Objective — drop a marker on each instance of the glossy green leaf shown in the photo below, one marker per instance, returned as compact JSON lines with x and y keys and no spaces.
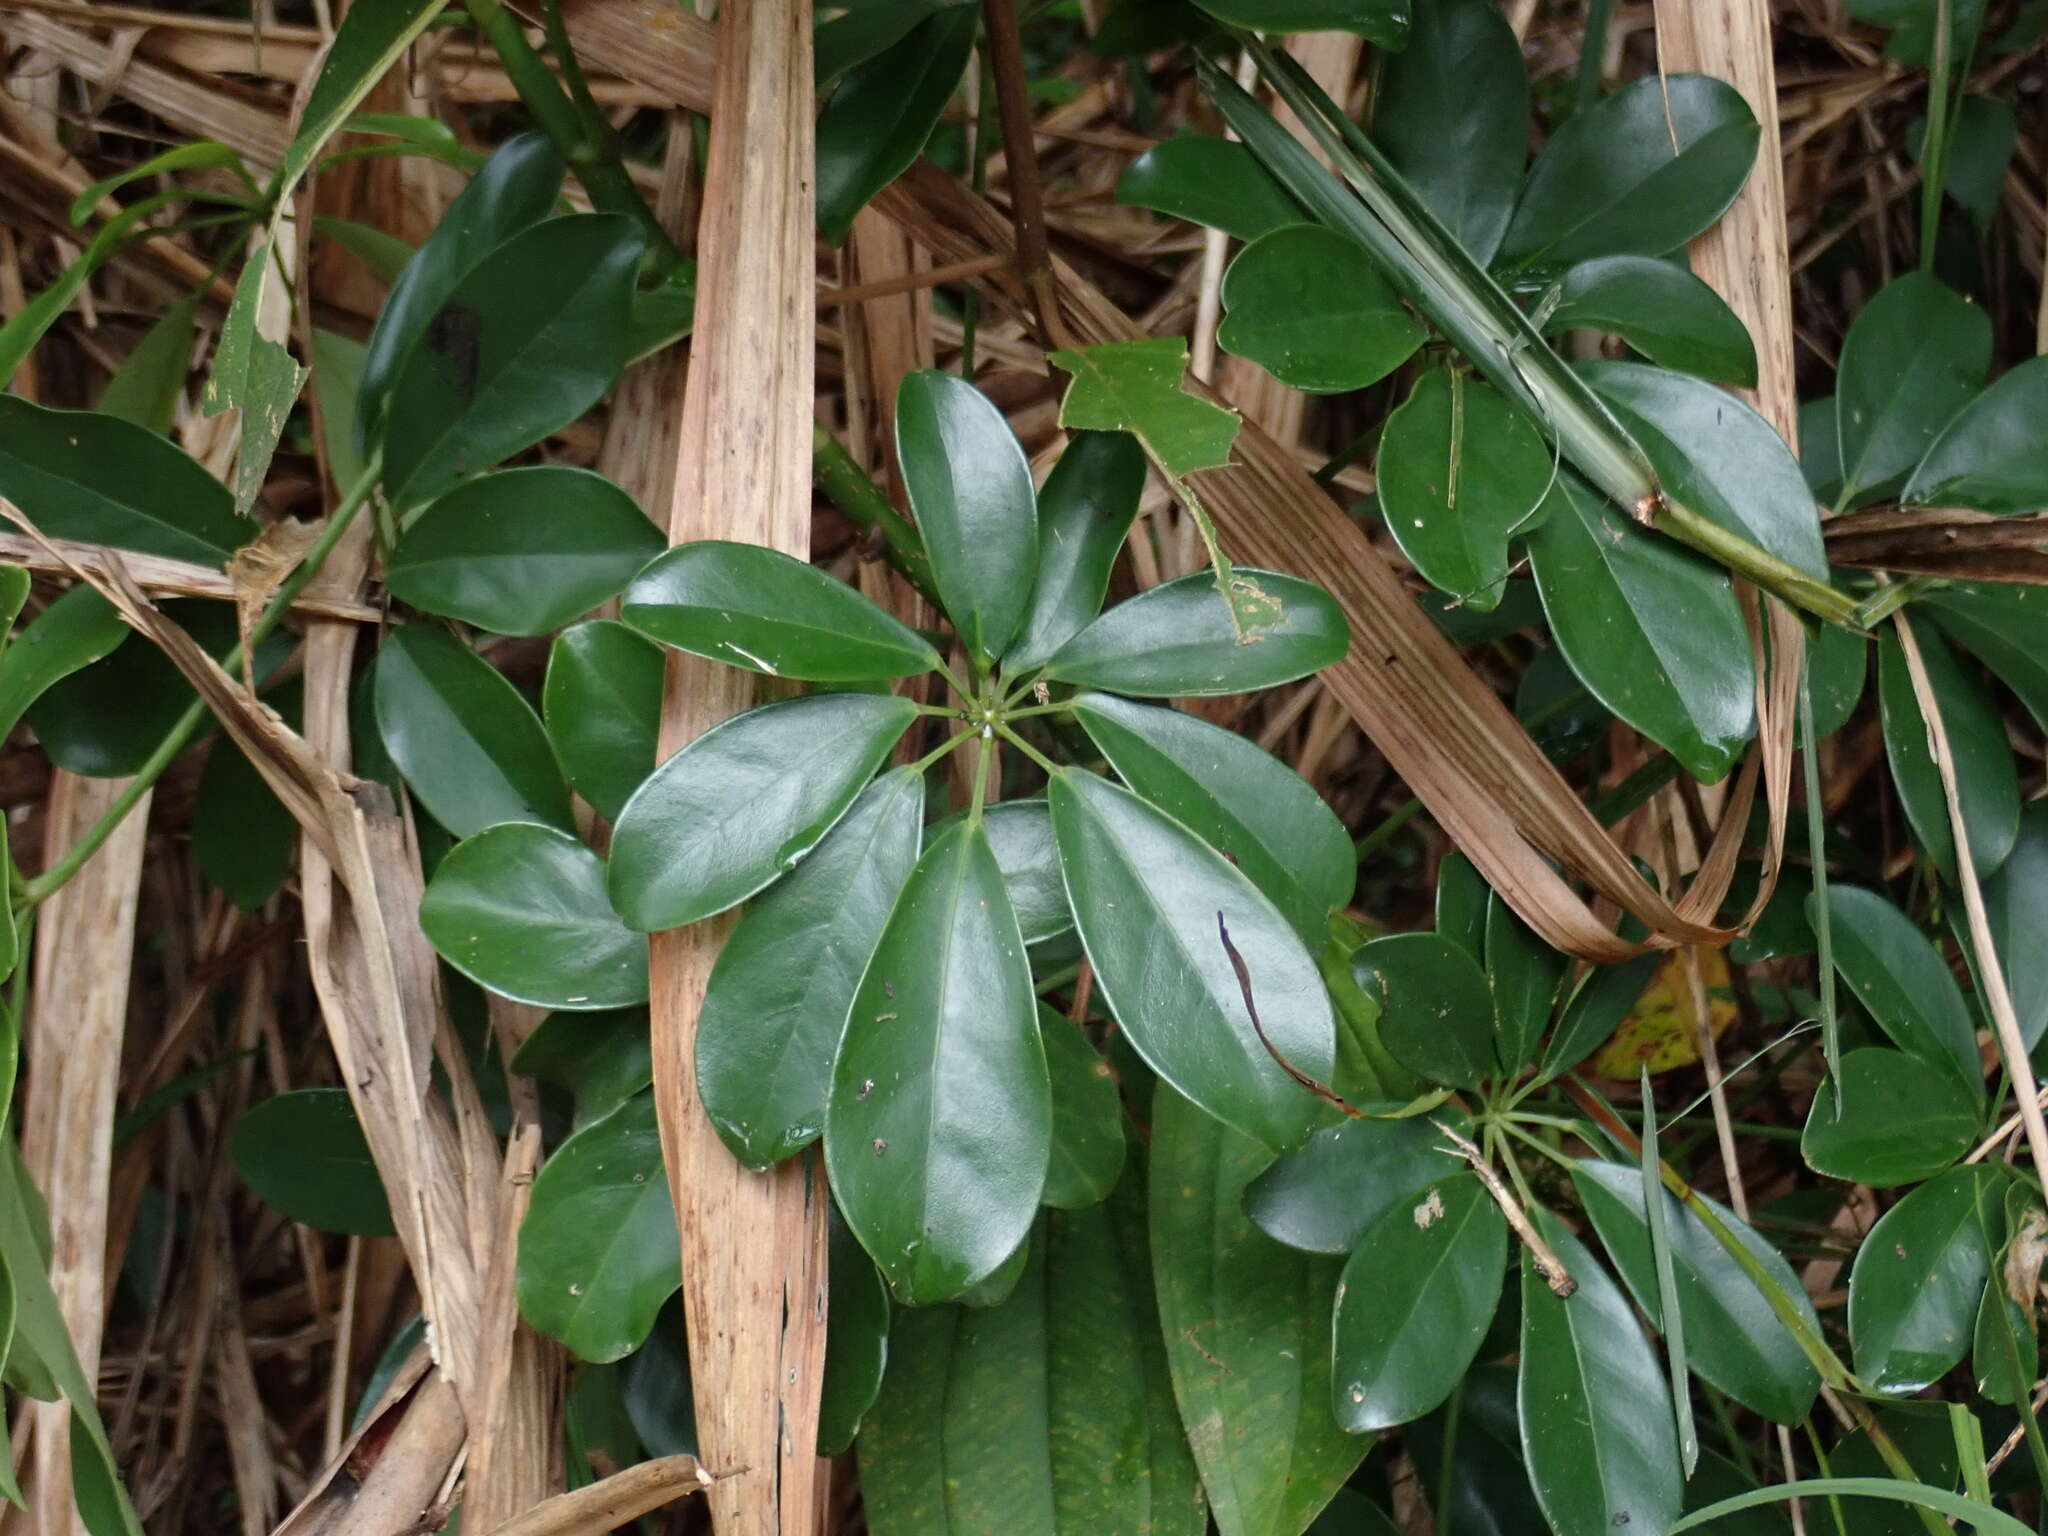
{"x":860,"y":32}
{"x":521,"y":909}
{"x":1087,"y":1116}
{"x":1987,"y":782}
{"x":1639,"y":172}
{"x":1149,"y":897}
{"x":1242,"y":801}
{"x":525,"y":343}
{"x":598,"y":1252}
{"x":601,"y":1059}
{"x":1837,"y":667}
{"x":856,"y":1340}
{"x":779,"y":993}
{"x":96,"y":478}
{"x":1209,"y":181}
{"x":1902,"y":980}
{"x":742,"y":804}
{"x":1899,"y":1121}
{"x":1918,"y":1277}
{"x":1000,"y":1283}
{"x":1981,"y":142}
{"x":1324,"y":1198}
{"x":602,"y":705}
{"x":1653,"y":631}
{"x":1135,"y":387}
{"x":1177,"y":639}
{"x":971,"y":490}
{"x":468,"y":743}
{"x":939,"y":1123}
{"x":105,"y":720}
{"x":1914,"y":355}
{"x":146,"y":387}
{"x":1085,"y":511}
{"x":1524,"y":975}
{"x":1461,"y":472}
{"x":523,"y":551}
{"x":1596,"y":1412}
{"x":337,"y":370}
{"x":73,"y":632}
{"x":878,"y":120}
{"x":244,"y":840}
{"x":1462,"y":899}
{"x":1309,"y":306}
{"x":1383,"y":21}
{"x":1476,"y":1476}
{"x":1247,"y":1326}
{"x":1414,"y":1304}
{"x":1989,"y":456}
{"x":1719,"y":457}
{"x":2005,"y":626}
{"x":1436,"y":1010}
{"x":2014,"y":900}
{"x":304,"y":1153}
{"x":1660,"y":309}
{"x":1020,"y":832}
{"x":1048,"y":1413}
{"x":765,"y":611}
{"x":1595,"y":1011}
{"x":515,"y":190}
{"x":655,"y":1388}
{"x":1733,"y":1338}
{"x":1452,"y":114}
{"x":2005,"y":1347}
{"x":42,"y":1335}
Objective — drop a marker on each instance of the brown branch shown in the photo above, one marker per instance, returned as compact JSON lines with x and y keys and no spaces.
{"x":1027,"y":205}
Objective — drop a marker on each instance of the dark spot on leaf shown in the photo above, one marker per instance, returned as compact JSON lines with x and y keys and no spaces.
{"x":456,"y":333}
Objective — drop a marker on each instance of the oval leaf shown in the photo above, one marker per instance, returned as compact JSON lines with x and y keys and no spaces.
{"x":1989,"y":457}
{"x":743,"y":803}
{"x":769,"y":612}
{"x":1452,"y":114}
{"x":1247,"y":1326}
{"x":1148,"y":897}
{"x":971,"y":490}
{"x":1597,"y":1422}
{"x":1309,"y":306}
{"x":468,"y":743}
{"x":1177,"y":639}
{"x":1914,"y":356}
{"x":940,"y":1120}
{"x":528,"y":341}
{"x":1654,"y":632}
{"x":1087,"y":1116}
{"x":1436,"y":1012}
{"x":521,"y":909}
{"x":1085,"y":511}
{"x":1641,"y":172}
{"x":1461,"y":471}
{"x":779,"y":993}
{"x":1987,"y":782}
{"x":524,"y":551}
{"x":1244,"y":802}
{"x":856,"y":1340}
{"x":598,"y":1252}
{"x":101,"y":480}
{"x":1898,"y":1123}
{"x":515,"y":189}
{"x":1325,"y":1197}
{"x":602,"y":705}
{"x":1902,"y":980}
{"x":1918,"y":1278}
{"x":1210,"y":181}
{"x":1733,"y":1338}
{"x":1660,"y":309}
{"x":1383,"y":21}
{"x":878,"y":120}
{"x":1415,"y":1303}
{"x":304,"y":1153}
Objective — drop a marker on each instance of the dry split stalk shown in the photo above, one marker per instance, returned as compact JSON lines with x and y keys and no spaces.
{"x":753,"y":1245}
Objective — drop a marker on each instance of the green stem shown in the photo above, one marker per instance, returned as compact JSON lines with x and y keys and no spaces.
{"x":1038,"y":709}
{"x":1026,"y":748}
{"x":52,"y":880}
{"x":847,"y":486}
{"x":978,"y":796}
{"x":943,"y":749}
{"x":1762,"y":568}
{"x":578,"y":128}
{"x":1934,"y":147}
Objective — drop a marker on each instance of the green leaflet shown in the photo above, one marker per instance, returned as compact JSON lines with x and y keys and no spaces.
{"x":1247,"y":1333}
